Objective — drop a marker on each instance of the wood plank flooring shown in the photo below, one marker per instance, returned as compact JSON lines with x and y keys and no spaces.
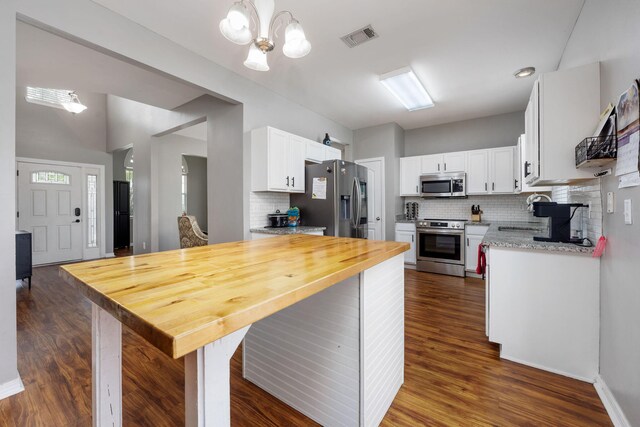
{"x":453,"y":376}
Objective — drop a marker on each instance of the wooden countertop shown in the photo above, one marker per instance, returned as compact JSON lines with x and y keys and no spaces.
{"x":183,"y":299}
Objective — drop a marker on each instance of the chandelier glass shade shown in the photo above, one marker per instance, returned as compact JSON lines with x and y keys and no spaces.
{"x":236,"y":27}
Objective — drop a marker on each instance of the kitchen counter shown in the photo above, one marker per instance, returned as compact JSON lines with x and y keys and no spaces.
{"x":479,"y":224}
{"x":405,"y":221}
{"x":281,"y":231}
{"x":523,"y":239}
{"x":323,"y":302}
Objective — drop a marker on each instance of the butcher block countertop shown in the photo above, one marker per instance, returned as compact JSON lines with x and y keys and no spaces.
{"x":184,"y":299}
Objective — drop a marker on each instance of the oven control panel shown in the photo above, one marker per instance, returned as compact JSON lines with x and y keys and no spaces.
{"x":427,"y":223}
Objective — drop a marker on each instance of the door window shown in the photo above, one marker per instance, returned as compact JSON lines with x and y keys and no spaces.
{"x":50,"y":177}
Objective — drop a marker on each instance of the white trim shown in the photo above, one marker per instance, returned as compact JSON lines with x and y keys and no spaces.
{"x":383,"y":216}
{"x":110,"y":255}
{"x":106,"y":368}
{"x":610,"y":403}
{"x":10,"y":388}
{"x":545,"y":368}
{"x":101,"y":200}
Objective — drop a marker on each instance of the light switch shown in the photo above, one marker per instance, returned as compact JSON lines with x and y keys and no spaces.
{"x":627,"y":212}
{"x":610,"y":201}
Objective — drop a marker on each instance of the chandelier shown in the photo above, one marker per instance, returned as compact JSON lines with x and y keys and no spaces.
{"x":236,"y":28}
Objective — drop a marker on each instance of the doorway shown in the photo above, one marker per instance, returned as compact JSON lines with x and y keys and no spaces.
{"x":375,"y":203}
{"x":60,"y":205}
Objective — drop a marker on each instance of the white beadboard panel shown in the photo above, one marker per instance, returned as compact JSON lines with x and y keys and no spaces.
{"x":382,"y":338}
{"x":263,"y":203}
{"x":308,"y":355}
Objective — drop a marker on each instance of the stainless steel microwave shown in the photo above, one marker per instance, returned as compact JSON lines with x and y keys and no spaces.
{"x":448,"y":184}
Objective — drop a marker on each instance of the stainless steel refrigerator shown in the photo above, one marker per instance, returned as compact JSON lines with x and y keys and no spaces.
{"x":335,"y":197}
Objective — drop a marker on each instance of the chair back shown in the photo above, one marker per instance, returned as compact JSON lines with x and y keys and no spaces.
{"x":190,"y":233}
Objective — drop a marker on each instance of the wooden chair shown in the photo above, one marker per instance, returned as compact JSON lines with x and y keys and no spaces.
{"x":190,"y":233}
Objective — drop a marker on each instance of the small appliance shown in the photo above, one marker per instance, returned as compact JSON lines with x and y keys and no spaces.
{"x":448,"y":184}
{"x":440,"y":247}
{"x":278,"y":219}
{"x":559,"y":215}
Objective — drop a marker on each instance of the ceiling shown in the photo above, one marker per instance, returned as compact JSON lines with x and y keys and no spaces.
{"x":465,"y":52}
{"x":46,"y":60}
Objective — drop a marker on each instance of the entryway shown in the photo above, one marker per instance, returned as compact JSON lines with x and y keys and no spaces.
{"x":60,"y":205}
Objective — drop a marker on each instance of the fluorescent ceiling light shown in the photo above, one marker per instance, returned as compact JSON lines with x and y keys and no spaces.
{"x":405,"y":86}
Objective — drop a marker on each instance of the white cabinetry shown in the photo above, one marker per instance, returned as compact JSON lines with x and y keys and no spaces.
{"x":406,"y":233}
{"x":522,"y":186}
{"x":478,"y":172}
{"x":474,"y":235}
{"x":318,"y":153}
{"x":277,"y":161}
{"x":502,"y":170}
{"x":563,"y":109}
{"x":432,"y":163}
{"x":455,"y":162}
{"x":410,"y":176}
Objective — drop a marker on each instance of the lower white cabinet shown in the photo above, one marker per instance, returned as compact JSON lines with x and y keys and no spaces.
{"x":474,"y":235}
{"x":406,"y":233}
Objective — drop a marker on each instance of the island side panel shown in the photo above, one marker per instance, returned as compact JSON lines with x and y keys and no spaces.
{"x":544,"y":309}
{"x":382,"y":338}
{"x":308,"y":355}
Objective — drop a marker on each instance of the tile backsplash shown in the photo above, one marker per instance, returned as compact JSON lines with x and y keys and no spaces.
{"x":494,"y":208}
{"x":585,"y":193}
{"x":263,"y":203}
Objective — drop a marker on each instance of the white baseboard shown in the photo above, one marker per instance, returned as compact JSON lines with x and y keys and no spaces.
{"x":545,"y":368}
{"x":10,"y":388}
{"x":610,"y":404}
{"x":110,"y":255}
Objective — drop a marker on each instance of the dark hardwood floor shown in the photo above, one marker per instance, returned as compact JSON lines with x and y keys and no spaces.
{"x":453,"y":376}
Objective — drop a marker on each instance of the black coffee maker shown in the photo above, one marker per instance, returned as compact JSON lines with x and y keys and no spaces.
{"x":559,"y":215}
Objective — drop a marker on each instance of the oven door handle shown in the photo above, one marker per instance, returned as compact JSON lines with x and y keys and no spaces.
{"x":447,"y":231}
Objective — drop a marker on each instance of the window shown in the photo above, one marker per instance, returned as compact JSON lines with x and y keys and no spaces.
{"x":48,"y":97}
{"x":128,"y":176}
{"x":184,"y":193}
{"x":92,"y":211}
{"x":50,"y":177}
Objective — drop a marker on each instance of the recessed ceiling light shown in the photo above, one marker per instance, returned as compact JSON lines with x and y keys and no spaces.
{"x":405,"y":86}
{"x":525,"y":72}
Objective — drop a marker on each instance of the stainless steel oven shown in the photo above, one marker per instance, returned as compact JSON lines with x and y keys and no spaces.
{"x":440,"y":246}
{"x":450,"y":184}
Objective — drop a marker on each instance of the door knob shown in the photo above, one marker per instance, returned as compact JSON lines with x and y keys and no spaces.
{"x":377,"y":218}
{"x":77,"y":220}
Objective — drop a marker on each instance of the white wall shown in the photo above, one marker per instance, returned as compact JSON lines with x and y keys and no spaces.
{"x":384,"y":141}
{"x":197,"y":189}
{"x":608,"y":32}
{"x":486,"y":132}
{"x":55,"y":134}
{"x":170,"y":149}
{"x":8,"y":343}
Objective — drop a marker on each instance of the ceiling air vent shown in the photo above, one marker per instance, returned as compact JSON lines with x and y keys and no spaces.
{"x":360,"y":36}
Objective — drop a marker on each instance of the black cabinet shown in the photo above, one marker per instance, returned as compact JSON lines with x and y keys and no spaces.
{"x":23,"y":256}
{"x":121,"y":214}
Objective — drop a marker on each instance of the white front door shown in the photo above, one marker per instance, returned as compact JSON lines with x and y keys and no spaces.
{"x":49,"y":207}
{"x":375,"y":197}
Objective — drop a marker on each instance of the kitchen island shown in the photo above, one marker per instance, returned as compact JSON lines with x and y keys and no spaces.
{"x":542,"y":300}
{"x":327,"y":314}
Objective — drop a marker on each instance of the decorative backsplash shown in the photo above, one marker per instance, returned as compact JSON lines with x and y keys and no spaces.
{"x":263,"y":203}
{"x":494,"y":208}
{"x":583,"y":193}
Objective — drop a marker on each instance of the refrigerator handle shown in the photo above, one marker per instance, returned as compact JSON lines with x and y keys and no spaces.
{"x":354,"y":199}
{"x":359,"y":191}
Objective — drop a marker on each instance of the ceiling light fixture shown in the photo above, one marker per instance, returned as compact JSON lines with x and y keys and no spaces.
{"x":236,"y":28}
{"x":74,"y":105}
{"x":406,"y":87}
{"x":524,"y":72}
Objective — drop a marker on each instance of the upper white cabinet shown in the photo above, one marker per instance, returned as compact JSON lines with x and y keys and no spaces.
{"x":454,"y":162}
{"x":518,"y":170}
{"x":563,"y":109}
{"x":478,"y":172}
{"x":410,"y":170}
{"x":318,"y":153}
{"x":502,"y":179}
{"x":277,"y":161}
{"x":431,"y":164}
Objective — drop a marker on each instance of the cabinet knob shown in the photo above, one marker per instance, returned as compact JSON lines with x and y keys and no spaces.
{"x":287,"y":181}
{"x":293,"y":182}
{"x":493,"y":186}
{"x":485,"y":186}
{"x":416,"y":189}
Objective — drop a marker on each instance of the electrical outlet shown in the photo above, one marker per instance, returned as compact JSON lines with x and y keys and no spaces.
{"x":144,"y":245}
{"x":628,"y":218}
{"x":611,"y":198}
